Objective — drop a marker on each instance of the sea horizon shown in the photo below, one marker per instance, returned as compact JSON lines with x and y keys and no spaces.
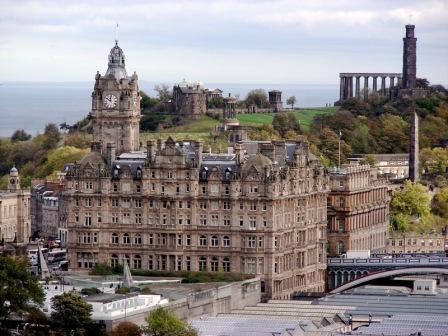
{"x":30,"y":105}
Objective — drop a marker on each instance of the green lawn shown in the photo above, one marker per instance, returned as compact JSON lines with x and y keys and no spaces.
{"x":201,"y":124}
{"x":304,"y":116}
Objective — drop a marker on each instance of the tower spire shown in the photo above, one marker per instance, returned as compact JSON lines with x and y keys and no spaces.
{"x":116,"y":34}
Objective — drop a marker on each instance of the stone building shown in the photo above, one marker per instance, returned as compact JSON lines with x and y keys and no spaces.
{"x":116,"y":106}
{"x":390,"y":166}
{"x":413,"y":242}
{"x":275,"y":100}
{"x":259,"y":209}
{"x":46,"y":215}
{"x":15,"y":223}
{"x":358,"y":210}
{"x":189,"y":99}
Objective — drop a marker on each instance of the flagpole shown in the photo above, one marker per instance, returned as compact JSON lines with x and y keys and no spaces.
{"x":339,"y":150}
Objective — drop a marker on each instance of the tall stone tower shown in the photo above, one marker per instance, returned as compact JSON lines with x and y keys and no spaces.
{"x":409,"y":58}
{"x":414,"y":175}
{"x":116,"y":106}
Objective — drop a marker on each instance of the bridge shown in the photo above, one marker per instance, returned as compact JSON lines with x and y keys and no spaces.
{"x":346,"y":273}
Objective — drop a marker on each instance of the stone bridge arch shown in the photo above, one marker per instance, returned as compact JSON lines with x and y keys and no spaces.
{"x":385,"y":274}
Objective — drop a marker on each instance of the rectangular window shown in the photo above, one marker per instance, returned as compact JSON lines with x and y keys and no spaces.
{"x":226,"y":190}
{"x":253,"y":206}
{"x":138,"y":188}
{"x":226,"y":221}
{"x":151,"y":204}
{"x":88,"y":202}
{"x":114,"y":218}
{"x":253,"y":222}
{"x":99,"y":203}
{"x":188,"y":187}
{"x":204,"y":189}
{"x":87,"y":219}
{"x":138,"y":203}
{"x":126,"y":218}
{"x":98,"y":218}
{"x":203,"y":220}
{"x":188,"y":240}
{"x":241,"y":221}
{"x":115,"y":202}
{"x":202,"y":205}
{"x":251,"y":241}
{"x":138,"y":218}
{"x":180,"y":220}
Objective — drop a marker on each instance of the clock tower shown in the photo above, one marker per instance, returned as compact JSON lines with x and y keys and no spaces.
{"x":14,"y":180}
{"x":116,"y":106}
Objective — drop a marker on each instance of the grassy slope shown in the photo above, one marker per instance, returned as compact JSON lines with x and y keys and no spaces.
{"x":304,"y":116}
{"x":200,"y":129}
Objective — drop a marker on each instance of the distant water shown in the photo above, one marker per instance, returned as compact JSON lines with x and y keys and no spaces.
{"x":32,"y":105}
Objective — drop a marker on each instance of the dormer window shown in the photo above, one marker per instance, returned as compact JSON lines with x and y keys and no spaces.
{"x":139,"y":173}
{"x":116,"y":172}
{"x":204,"y":173}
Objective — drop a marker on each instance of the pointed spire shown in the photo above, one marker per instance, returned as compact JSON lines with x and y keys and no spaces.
{"x":128,"y":281}
{"x":43,"y":267}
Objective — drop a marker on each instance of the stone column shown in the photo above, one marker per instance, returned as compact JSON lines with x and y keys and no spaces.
{"x":366,"y":87}
{"x":383,"y":85}
{"x":346,"y":91}
{"x":391,"y":82}
{"x":375,"y":84}
{"x":350,"y":80}
{"x":358,"y":91}
{"x":341,"y":88}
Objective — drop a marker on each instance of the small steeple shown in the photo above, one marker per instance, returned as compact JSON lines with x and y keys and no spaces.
{"x":116,"y":65}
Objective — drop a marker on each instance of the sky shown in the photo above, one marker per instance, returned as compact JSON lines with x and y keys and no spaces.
{"x":220,"y":41}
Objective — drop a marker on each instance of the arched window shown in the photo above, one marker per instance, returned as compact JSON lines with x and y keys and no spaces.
{"x":214,"y":241}
{"x":203,"y":241}
{"x":114,"y":239}
{"x":126,"y":239}
{"x":113,"y":260}
{"x":226,"y":264}
{"x":138,"y":174}
{"x":202,"y":264}
{"x":226,"y":241}
{"x":137,"y":239}
{"x":137,"y":262}
{"x":340,"y":247}
{"x":214,"y":264}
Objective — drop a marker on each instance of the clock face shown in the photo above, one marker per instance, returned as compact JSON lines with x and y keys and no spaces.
{"x":110,"y":101}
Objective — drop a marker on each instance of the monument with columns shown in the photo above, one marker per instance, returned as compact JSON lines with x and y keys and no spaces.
{"x":391,"y":84}
{"x":388,"y":82}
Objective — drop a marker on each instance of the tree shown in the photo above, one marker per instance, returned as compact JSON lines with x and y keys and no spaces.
{"x":440,"y":203}
{"x":20,"y":135}
{"x":17,"y":287}
{"x":163,"y":92}
{"x":126,"y":328}
{"x":284,"y":122}
{"x":71,"y":313}
{"x":163,"y":322}
{"x":412,"y":200}
{"x":257,"y":97}
{"x":291,"y":101}
{"x":51,"y":136}
{"x":370,"y":160}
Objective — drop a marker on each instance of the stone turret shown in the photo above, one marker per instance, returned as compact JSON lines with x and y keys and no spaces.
{"x":14,"y":180}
